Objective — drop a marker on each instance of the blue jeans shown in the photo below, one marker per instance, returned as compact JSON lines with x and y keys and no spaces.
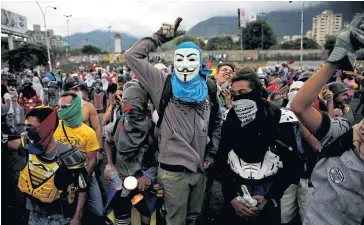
{"x":94,"y":197}
{"x":40,"y":219}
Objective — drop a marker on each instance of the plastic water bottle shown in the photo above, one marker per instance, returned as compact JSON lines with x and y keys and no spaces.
{"x":116,"y":181}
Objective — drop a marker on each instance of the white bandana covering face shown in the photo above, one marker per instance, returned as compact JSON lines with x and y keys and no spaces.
{"x":246,"y":110}
{"x":186,"y":63}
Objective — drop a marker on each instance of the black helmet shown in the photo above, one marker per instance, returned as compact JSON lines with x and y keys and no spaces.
{"x":70,"y":83}
{"x":305,"y":76}
{"x":53,"y":84}
{"x":27,"y":81}
{"x":337,"y":87}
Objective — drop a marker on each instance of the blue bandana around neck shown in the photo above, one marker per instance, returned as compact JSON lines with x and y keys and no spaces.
{"x":196,"y":89}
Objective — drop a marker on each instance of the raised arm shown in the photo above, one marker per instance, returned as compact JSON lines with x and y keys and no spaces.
{"x":150,"y":78}
{"x":343,"y":56}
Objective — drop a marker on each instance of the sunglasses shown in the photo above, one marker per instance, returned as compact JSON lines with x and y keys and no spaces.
{"x":63,"y":106}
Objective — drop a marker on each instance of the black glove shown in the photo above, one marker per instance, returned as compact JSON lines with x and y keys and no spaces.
{"x":348,"y":41}
{"x":168,"y":32}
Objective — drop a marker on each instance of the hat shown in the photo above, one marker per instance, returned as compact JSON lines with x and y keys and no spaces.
{"x":70,"y":83}
{"x":337,"y":87}
{"x":297,"y":84}
{"x":53,"y":84}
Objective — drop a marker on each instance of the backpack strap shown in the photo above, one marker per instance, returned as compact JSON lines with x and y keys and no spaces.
{"x":166,"y":96}
{"x":215,"y":106}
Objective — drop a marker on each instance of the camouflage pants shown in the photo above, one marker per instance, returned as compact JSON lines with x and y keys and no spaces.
{"x":40,"y":219}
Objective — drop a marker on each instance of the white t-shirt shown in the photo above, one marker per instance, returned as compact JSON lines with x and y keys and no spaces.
{"x":7,"y":96}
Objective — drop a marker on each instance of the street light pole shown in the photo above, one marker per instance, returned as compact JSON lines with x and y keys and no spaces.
{"x":263,"y":19}
{"x":301,"y":55}
{"x":109,"y":39}
{"x":68,"y":31}
{"x":301,"y":51}
{"x":46,"y":35}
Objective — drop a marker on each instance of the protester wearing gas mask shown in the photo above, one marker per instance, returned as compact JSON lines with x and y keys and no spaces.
{"x":134,"y":157}
{"x":28,"y":97}
{"x":184,"y":102}
{"x":99,"y":96}
{"x":257,"y":157}
{"x":56,"y":195}
{"x":73,"y":132}
{"x":53,"y":95}
{"x":89,"y":113}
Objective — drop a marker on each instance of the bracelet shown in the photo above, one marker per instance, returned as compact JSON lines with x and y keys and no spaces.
{"x":307,"y":136}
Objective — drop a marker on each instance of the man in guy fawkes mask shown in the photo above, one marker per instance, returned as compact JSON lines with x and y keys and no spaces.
{"x":256,"y":155}
{"x":53,"y":94}
{"x":99,"y":96}
{"x":184,"y":102}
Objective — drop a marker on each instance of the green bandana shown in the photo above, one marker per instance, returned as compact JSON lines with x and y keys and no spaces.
{"x":72,"y":115}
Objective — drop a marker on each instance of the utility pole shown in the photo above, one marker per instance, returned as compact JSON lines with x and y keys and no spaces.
{"x":262,"y":14}
{"x":109,"y":39}
{"x":68,"y":31}
{"x":45,"y":31}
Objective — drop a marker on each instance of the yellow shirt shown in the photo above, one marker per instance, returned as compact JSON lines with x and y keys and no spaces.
{"x":82,"y":137}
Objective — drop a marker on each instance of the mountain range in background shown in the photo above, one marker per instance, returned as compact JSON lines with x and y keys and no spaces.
{"x":100,"y":39}
{"x":282,"y":22}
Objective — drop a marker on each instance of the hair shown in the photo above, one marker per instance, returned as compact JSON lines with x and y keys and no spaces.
{"x":73,"y":95}
{"x":251,"y":76}
{"x":41,"y":113}
{"x":4,"y":90}
{"x":225,"y":64}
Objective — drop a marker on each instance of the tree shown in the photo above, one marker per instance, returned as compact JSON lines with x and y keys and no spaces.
{"x":296,"y":44}
{"x":330,"y":43}
{"x":186,"y":38}
{"x":252,"y":35}
{"x":76,"y":51}
{"x":26,"y":56}
{"x":220,"y":43}
{"x":90,"y":50}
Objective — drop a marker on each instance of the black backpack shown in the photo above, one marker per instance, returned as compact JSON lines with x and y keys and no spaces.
{"x":167,"y":94}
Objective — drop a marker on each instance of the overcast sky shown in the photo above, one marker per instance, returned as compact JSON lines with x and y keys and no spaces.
{"x":137,"y":18}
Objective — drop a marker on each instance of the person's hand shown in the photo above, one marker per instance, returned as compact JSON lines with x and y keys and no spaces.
{"x":168,"y":32}
{"x":259,"y":198}
{"x":328,"y":95}
{"x":206,"y":164}
{"x":227,"y":95}
{"x":280,"y":91}
{"x":144,"y":183}
{"x":107,"y":175}
{"x":158,"y":190}
{"x":99,"y":156}
{"x":349,"y":40}
{"x":242,"y":210}
{"x":76,"y":220}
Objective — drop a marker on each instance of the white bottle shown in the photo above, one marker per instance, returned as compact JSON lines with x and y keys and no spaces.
{"x":116,"y":181}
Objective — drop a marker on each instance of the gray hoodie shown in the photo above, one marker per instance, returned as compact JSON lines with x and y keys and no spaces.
{"x":183,"y":135}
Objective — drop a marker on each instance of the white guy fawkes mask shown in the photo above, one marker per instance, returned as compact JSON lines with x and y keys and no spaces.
{"x":186,"y":63}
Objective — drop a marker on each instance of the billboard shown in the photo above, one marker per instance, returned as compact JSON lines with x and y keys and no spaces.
{"x":13,"y":23}
{"x":245,"y":17}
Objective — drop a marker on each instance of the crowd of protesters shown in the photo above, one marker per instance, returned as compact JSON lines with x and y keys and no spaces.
{"x":283,"y":143}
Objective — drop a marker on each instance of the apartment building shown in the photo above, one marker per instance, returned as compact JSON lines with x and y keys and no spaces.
{"x":38,"y":36}
{"x":325,"y":24}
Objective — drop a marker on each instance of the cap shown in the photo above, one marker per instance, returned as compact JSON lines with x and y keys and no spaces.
{"x":70,"y":83}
